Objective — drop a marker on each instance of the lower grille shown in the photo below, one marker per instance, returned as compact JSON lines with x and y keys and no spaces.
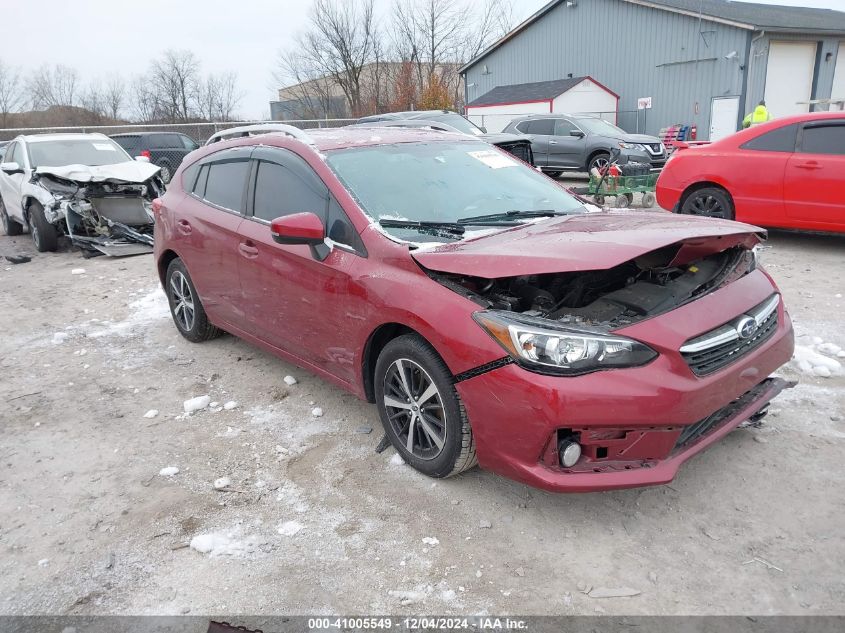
{"x":703,"y":427}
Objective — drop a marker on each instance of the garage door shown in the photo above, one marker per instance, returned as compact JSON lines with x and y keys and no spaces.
{"x":839,"y":76}
{"x":789,"y":77}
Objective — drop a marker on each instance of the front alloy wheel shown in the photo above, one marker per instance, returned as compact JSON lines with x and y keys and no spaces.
{"x":415,"y":409}
{"x":420,"y":410}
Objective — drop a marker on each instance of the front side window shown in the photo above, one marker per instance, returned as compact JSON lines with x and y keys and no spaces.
{"x":444,"y":182}
{"x":226,"y":183}
{"x":600,"y":127}
{"x":76,"y":151}
{"x":14,"y":155}
{"x":188,"y":143}
{"x":563,"y":127}
{"x":287,"y":189}
{"x":824,"y":139}
{"x":779,"y":140}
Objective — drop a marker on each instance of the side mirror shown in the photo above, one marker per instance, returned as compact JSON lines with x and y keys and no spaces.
{"x":142,"y":159}
{"x":299,"y":228}
{"x":576,"y":133}
{"x":11,"y":168}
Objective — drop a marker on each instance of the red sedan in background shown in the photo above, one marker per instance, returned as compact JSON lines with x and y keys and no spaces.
{"x":787,"y":173}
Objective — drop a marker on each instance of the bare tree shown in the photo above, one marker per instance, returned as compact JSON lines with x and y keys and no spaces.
{"x":114,"y":96}
{"x":142,"y":100}
{"x":53,"y":86}
{"x":93,"y":100}
{"x":338,"y":42}
{"x":11,"y":96}
{"x":173,"y":81}
{"x":229,"y":96}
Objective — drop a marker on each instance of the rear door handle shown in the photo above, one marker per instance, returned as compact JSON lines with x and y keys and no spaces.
{"x":810,"y":164}
{"x":248,"y":249}
{"x":184,"y":227}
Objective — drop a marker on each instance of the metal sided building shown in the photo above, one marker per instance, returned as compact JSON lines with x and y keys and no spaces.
{"x":702,"y":62}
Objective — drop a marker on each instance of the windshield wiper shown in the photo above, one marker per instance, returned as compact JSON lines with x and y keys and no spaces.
{"x":448,"y":227}
{"x":508,"y":216}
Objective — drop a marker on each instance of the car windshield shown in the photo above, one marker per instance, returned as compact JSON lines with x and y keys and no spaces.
{"x":444,"y":182}
{"x":91,"y":152}
{"x":600,"y":126}
{"x":458,"y":122}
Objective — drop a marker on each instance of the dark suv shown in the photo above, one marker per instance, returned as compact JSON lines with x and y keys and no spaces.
{"x":165,"y":149}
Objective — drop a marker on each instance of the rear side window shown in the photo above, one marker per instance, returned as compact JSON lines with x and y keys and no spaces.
{"x":543,"y":127}
{"x":126,"y":142}
{"x":287,"y":189}
{"x":226,"y":182}
{"x":824,"y":139}
{"x":779,"y":140}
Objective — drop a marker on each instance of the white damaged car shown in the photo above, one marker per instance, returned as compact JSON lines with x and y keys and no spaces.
{"x":84,"y":186}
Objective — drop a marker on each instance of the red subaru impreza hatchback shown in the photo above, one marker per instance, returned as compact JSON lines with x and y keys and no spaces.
{"x":489,"y":315}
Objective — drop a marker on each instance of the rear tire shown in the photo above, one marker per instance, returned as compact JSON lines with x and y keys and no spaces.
{"x":711,"y":202}
{"x":10,"y":226}
{"x":185,"y":306}
{"x":44,"y":235}
{"x":430,"y":432}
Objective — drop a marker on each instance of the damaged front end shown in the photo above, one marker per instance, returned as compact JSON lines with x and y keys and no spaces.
{"x":563,"y":323}
{"x":103,"y":210}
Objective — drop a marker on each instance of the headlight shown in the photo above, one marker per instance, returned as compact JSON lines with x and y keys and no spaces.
{"x":569,"y":352}
{"x":631,"y":146}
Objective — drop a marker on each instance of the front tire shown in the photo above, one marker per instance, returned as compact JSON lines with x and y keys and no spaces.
{"x":599,"y":161}
{"x":10,"y":226}
{"x":420,"y":409}
{"x":44,"y":235}
{"x":185,"y":306}
{"x":711,"y":202}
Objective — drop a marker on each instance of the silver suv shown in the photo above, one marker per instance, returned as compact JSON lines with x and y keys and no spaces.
{"x":565,"y":142}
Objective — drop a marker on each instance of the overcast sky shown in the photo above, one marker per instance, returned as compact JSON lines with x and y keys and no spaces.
{"x":102,"y":36}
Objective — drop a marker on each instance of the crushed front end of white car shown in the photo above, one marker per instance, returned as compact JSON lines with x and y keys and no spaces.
{"x":105,"y":209}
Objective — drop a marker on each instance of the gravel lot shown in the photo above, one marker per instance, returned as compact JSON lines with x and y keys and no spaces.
{"x":314,"y":521}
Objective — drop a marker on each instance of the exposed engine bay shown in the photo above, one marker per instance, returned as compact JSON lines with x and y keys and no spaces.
{"x":607,"y":299}
{"x":102,"y":212}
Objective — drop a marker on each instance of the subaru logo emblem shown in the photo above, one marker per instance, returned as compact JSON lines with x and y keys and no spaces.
{"x":746,"y":327}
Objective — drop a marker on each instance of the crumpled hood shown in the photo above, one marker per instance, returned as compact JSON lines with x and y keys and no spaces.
{"x":133,"y":171}
{"x":592,"y":241}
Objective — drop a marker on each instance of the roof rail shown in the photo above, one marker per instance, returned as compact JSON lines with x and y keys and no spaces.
{"x":423,"y":124}
{"x":260,"y":128}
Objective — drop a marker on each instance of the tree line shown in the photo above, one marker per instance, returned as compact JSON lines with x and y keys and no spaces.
{"x":172,"y":90}
{"x":407,"y":59}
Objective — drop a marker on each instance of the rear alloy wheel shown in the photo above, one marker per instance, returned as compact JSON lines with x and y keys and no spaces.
{"x":10,"y":227}
{"x":711,"y":202}
{"x":44,"y":235}
{"x":185,"y":306}
{"x":420,"y":410}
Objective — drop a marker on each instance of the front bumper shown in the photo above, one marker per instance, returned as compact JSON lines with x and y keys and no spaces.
{"x":637,"y":156}
{"x":629,"y":421}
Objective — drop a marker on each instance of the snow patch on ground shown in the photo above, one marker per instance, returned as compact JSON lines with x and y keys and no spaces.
{"x":289,"y":528}
{"x":168,"y":471}
{"x":226,"y":543}
{"x":396,"y":460}
{"x":150,"y":308}
{"x":816,"y":359}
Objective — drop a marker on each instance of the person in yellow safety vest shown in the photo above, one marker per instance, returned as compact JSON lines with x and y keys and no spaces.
{"x":760,"y":115}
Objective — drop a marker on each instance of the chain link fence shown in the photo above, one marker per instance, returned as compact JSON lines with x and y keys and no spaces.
{"x":199,"y":132}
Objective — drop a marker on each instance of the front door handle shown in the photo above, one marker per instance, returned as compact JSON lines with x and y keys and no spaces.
{"x":552,"y":142}
{"x":248,"y":249}
{"x":184,"y":227}
{"x":810,"y":164}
